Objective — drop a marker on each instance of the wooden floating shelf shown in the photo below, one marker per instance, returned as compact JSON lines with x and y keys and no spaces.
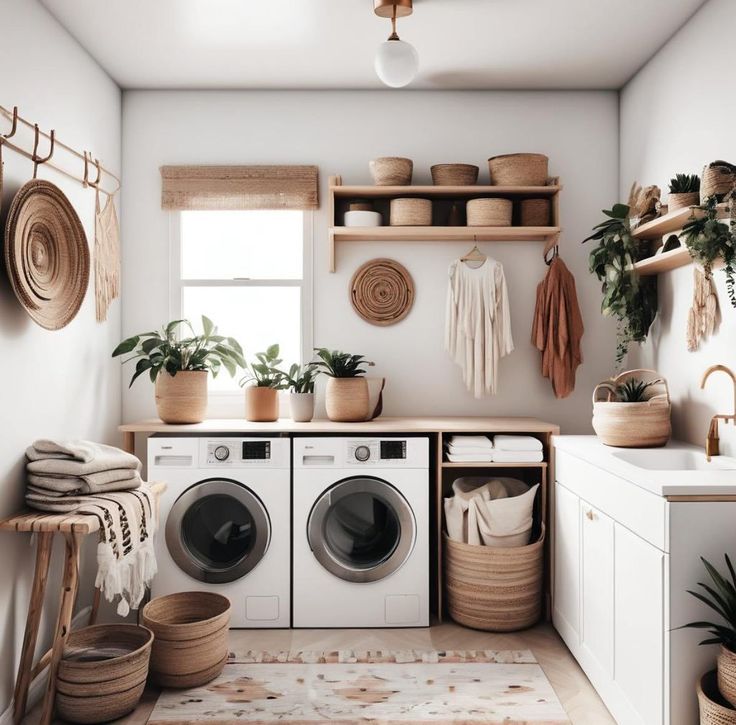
{"x":481,"y":464}
{"x":391,"y":192}
{"x":444,"y":234}
{"x":664,"y":262}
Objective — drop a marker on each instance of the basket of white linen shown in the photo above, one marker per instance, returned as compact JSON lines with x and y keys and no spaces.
{"x":493,"y":569}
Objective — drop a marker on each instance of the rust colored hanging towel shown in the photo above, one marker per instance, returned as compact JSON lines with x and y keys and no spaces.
{"x":107,"y":257}
{"x":558,"y":328}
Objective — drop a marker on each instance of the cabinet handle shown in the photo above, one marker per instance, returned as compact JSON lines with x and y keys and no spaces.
{"x":590,"y":515}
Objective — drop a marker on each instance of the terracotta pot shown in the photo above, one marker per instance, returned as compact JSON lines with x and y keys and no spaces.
{"x":182,"y":398}
{"x":261,"y":404}
{"x":302,"y":407}
{"x":727,"y":674}
{"x":347,"y":399}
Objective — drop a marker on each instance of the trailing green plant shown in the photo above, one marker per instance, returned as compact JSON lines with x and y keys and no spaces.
{"x":264,"y":372}
{"x":709,"y":239}
{"x":684,"y":184}
{"x":634,"y":390}
{"x":720,"y":596}
{"x":630,"y":300}
{"x":164,"y":350}
{"x":338,"y":364}
{"x":300,"y":379}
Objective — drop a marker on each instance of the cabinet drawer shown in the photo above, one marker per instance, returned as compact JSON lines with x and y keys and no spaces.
{"x":633,"y":507}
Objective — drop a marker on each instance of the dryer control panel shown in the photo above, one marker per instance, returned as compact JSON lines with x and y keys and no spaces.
{"x":369,"y":452}
{"x":243,"y":452}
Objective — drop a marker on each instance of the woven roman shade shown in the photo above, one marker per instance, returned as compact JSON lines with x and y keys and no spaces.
{"x":206,"y":188}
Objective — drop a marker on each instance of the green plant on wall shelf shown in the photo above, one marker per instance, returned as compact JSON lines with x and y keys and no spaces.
{"x":338,"y":364}
{"x":265,"y":373}
{"x":627,"y":298}
{"x":685,"y":184}
{"x":163,"y":350}
{"x":708,"y":239}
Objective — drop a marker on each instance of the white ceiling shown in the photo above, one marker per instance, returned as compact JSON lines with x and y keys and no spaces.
{"x":331,"y":43}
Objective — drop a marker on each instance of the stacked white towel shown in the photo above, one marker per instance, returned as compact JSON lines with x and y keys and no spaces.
{"x":517,"y":449}
{"x":470,"y":449}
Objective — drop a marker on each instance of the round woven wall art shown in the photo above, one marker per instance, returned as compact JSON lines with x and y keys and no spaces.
{"x":382,"y":292}
{"x":46,"y":254}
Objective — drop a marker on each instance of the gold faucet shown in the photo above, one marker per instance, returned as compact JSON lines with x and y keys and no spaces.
{"x":712,"y":447}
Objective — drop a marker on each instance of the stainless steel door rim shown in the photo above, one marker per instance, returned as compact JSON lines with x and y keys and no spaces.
{"x":398,"y":512}
{"x":244,"y":501}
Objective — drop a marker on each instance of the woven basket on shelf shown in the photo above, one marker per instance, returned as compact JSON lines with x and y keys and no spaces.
{"x":683,"y":199}
{"x":391,"y":171}
{"x":489,"y":212}
{"x":103,"y":672}
{"x":191,"y":644}
{"x":519,"y":170}
{"x":632,"y":425}
{"x":714,"y":710}
{"x":454,"y":174}
{"x":534,"y":212}
{"x":718,"y":178}
{"x":494,"y":589}
{"x":727,"y":674}
{"x":411,"y":213}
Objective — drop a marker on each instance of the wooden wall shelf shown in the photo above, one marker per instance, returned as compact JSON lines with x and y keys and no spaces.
{"x":340,"y":195}
{"x":664,"y":262}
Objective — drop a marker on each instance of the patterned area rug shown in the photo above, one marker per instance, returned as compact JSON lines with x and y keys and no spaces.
{"x":385,"y":688}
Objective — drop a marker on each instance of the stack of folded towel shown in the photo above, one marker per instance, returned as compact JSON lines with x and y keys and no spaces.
{"x":517,"y":449}
{"x":467,"y":448}
{"x":91,"y":478}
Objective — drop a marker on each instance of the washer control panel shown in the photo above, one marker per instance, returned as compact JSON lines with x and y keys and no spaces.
{"x":242,"y":452}
{"x":350,"y":453}
{"x":376,"y":451}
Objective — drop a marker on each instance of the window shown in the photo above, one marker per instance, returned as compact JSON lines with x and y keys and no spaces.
{"x":248,"y":271}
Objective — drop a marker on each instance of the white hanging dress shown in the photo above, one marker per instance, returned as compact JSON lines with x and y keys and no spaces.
{"x":478,"y":323}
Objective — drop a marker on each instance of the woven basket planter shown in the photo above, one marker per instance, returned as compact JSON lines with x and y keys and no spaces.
{"x":727,"y":674}
{"x":680,"y":201}
{"x":494,"y":589}
{"x":489,"y":212}
{"x":391,"y":171}
{"x":191,"y":644}
{"x":717,"y":179}
{"x":454,"y":174}
{"x":411,"y":212}
{"x":714,"y":710}
{"x":534,"y":212}
{"x":182,"y":398}
{"x":519,"y":170}
{"x":632,"y":425}
{"x":347,"y":399}
{"x":103,"y":672}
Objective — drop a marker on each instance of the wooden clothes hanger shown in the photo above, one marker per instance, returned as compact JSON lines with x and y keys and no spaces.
{"x":474,"y":255}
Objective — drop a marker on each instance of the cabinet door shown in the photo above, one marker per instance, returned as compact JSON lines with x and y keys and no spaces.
{"x":597,"y":587}
{"x":639,"y":624}
{"x":567,"y":565}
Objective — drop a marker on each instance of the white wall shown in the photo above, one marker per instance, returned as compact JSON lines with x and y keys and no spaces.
{"x":676,"y":116}
{"x":55,"y":383}
{"x":341,"y":131}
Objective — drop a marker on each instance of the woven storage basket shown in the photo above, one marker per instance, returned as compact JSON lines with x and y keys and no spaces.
{"x":727,"y":674}
{"x":680,"y":201}
{"x":103,"y":672}
{"x":519,"y":169}
{"x":454,"y":174}
{"x":718,"y":179}
{"x":494,"y":589}
{"x":714,"y":710}
{"x":391,"y":171}
{"x":181,"y":398}
{"x":489,"y":212}
{"x":191,"y":644}
{"x":632,"y":425}
{"x":534,"y":212}
{"x":411,"y":212}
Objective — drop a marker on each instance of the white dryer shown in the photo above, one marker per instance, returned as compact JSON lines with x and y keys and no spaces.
{"x":225,"y":523}
{"x":361,"y":532}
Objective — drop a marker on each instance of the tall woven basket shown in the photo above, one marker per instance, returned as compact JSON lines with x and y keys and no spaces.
{"x":714,"y":710}
{"x":632,"y":425}
{"x":494,"y":589}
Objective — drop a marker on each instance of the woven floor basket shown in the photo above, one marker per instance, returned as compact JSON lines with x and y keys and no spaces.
{"x":191,"y":644}
{"x":494,"y":589}
{"x":714,"y":710}
{"x":103,"y":672}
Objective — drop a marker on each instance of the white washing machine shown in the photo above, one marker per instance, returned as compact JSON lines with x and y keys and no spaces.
{"x":225,"y":523}
{"x":361,"y":532}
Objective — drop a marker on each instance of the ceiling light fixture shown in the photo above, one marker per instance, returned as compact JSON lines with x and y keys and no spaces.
{"x":397,"y":61}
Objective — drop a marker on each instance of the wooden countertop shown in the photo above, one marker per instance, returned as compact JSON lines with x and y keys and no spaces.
{"x":379,"y":425}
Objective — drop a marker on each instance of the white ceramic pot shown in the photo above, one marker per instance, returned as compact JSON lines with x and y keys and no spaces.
{"x":363,"y":219}
{"x":302,"y":407}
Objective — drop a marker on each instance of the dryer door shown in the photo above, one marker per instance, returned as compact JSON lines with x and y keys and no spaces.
{"x":217,"y":531}
{"x":361,"y":529}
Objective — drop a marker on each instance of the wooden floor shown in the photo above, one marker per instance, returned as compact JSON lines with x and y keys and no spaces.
{"x":576,"y":694}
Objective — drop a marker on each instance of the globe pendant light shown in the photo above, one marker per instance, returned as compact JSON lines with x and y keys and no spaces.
{"x":397,"y":61}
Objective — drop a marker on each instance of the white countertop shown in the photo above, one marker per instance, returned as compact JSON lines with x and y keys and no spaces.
{"x":715,"y":479}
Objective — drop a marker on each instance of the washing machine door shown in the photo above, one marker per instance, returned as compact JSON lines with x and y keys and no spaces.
{"x":361,"y":529}
{"x":217,"y":531}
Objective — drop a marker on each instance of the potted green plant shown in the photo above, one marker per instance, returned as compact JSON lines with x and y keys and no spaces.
{"x":720,"y":596}
{"x":346,"y":395}
{"x":684,"y":191}
{"x":262,"y":381}
{"x":300,"y":383}
{"x":179,"y":366}
{"x":632,"y":301}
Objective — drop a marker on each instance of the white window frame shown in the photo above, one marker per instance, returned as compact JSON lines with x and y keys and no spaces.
{"x":177,"y":285}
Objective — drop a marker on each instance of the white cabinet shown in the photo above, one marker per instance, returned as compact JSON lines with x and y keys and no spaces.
{"x":566,"y":595}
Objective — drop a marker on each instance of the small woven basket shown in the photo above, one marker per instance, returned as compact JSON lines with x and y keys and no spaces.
{"x":519,"y":169}
{"x":535,"y":212}
{"x":411,"y":212}
{"x":454,"y":174}
{"x":681,"y":200}
{"x":727,"y":674}
{"x":391,"y":171}
{"x":718,"y":179}
{"x":714,"y":710}
{"x":489,"y":212}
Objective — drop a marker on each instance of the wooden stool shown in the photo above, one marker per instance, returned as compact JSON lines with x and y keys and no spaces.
{"x":74,"y":527}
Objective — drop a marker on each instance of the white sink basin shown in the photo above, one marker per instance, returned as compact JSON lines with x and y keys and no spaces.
{"x":667,"y":459}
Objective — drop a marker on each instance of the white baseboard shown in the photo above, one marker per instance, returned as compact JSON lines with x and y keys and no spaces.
{"x":38,"y":686}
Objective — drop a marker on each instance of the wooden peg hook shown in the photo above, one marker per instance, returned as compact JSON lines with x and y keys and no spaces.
{"x":14,"y":127}
{"x":37,"y":160}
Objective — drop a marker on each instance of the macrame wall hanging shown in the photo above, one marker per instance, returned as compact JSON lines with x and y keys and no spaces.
{"x":107,"y":256}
